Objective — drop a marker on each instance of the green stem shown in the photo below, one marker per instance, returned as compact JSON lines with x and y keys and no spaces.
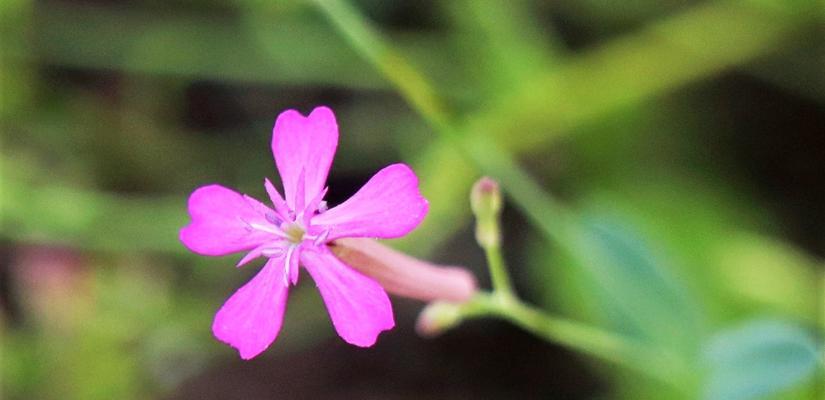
{"x":504,"y":303}
{"x":498,"y":271}
{"x":365,"y":39}
{"x":577,"y":336}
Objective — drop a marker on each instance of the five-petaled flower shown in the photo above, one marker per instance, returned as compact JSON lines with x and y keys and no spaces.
{"x":296,"y":230}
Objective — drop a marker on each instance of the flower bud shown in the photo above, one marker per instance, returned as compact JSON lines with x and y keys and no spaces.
{"x":404,"y":275}
{"x":436,"y":318}
{"x":485,"y":200}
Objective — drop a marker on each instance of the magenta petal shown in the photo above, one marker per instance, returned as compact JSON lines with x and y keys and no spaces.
{"x":358,"y":306}
{"x":250,"y":320}
{"x":220,"y":218}
{"x":388,"y":206}
{"x":304,"y":143}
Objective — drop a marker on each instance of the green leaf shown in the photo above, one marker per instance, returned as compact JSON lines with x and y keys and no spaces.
{"x":759,"y":358}
{"x":634,"y":285}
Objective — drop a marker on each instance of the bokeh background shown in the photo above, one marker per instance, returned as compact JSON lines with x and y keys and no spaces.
{"x":685,"y":140}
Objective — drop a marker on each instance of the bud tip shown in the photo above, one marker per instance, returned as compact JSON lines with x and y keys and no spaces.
{"x":436,"y":318}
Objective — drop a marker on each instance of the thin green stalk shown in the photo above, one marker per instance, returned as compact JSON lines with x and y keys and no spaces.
{"x":498,"y":272}
{"x":583,"y":338}
{"x":504,"y":303}
{"x":365,"y":39}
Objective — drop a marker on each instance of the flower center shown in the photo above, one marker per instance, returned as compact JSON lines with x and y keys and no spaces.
{"x":295,"y":233}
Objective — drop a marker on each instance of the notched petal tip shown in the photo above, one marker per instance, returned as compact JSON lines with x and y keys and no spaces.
{"x":358,"y":306}
{"x":389,"y":205}
{"x":368,"y":340}
{"x":289,"y":115}
{"x":218,"y":226}
{"x":304,"y":143}
{"x":251,"y":318}
{"x":191,"y":238}
{"x":322,"y":114}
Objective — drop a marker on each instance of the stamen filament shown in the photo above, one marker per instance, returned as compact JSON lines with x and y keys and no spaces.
{"x":288,"y":261}
{"x":268,"y":229}
{"x":320,"y":239}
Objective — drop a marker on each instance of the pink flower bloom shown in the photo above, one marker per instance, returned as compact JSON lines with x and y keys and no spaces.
{"x":296,"y":230}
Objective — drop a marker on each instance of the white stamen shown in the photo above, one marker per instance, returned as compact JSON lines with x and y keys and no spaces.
{"x":288,"y":262}
{"x":268,"y":228}
{"x":273,"y":252}
{"x":322,"y":237}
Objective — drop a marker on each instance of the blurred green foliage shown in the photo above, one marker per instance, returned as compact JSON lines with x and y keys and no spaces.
{"x":654,"y":239}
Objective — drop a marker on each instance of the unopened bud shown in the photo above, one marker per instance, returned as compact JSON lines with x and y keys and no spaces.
{"x":403,"y":275}
{"x":485,"y":200}
{"x":485,"y":197}
{"x":437,"y":317}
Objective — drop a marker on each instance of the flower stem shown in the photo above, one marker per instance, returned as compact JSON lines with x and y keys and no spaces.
{"x":577,"y":336}
{"x":498,"y":272}
{"x":503,"y":303}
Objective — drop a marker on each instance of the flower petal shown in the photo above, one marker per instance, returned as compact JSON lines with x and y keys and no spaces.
{"x":304,"y":143}
{"x":220,"y":219}
{"x":250,"y":320}
{"x":389,"y":205}
{"x":358,"y":306}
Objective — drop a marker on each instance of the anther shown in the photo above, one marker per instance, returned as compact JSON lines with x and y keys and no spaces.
{"x":272,"y":218}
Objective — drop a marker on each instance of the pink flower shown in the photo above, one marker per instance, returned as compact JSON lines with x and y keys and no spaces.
{"x":296,"y":231}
